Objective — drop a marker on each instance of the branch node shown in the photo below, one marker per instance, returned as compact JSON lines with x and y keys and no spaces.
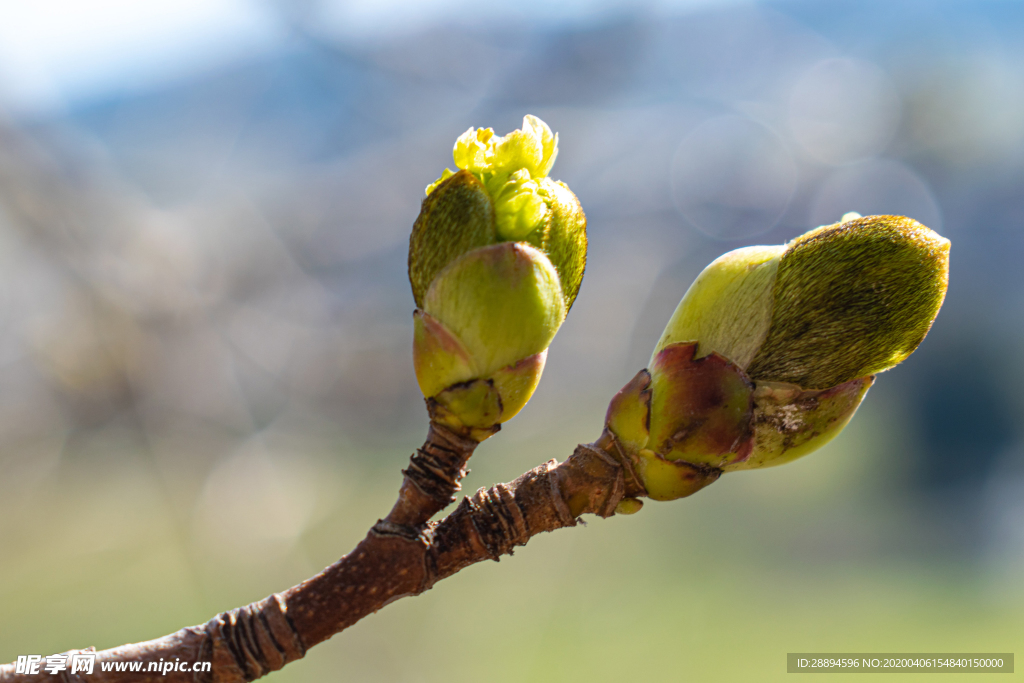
{"x":606,"y":479}
{"x":254,"y":640}
{"x":433,"y":476}
{"x":634,"y":486}
{"x":562,"y":510}
{"x":438,"y":466}
{"x":498,"y":520}
{"x":421,"y":534}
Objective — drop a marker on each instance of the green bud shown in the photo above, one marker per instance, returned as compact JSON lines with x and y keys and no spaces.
{"x":772,"y":349}
{"x":837,"y":303}
{"x":496,"y":258}
{"x":629,"y":506}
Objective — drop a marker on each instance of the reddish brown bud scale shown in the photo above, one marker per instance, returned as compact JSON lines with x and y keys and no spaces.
{"x":701,"y":408}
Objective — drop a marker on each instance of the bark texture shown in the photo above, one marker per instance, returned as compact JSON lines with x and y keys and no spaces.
{"x":403,"y":554}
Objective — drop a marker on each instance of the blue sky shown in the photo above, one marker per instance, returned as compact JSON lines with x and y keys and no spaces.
{"x":53,"y":52}
{"x":56,"y":52}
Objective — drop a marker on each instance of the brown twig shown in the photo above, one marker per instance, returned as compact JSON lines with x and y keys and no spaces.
{"x":433,"y":477}
{"x":396,"y":559}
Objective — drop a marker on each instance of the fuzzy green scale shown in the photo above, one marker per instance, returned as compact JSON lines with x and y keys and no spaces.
{"x":852,"y":299}
{"x":563,"y":237}
{"x":457,"y":217}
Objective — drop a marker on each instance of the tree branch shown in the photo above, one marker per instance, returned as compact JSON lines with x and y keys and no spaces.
{"x":434,"y":476}
{"x":399,"y":557}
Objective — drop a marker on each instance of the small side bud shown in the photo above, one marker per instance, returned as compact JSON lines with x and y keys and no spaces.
{"x":629,"y":506}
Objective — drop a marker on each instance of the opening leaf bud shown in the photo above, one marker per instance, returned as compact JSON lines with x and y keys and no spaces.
{"x":496,"y":258}
{"x":772,"y":349}
{"x":511,"y":200}
{"x":520,"y":206}
{"x":533,"y":147}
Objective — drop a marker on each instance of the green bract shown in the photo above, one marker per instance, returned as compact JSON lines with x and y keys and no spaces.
{"x":496,"y":258}
{"x":772,"y":349}
{"x":728,"y":308}
{"x":503,"y":302}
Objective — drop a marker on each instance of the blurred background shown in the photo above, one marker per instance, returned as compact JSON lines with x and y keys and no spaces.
{"x":206,"y":386}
